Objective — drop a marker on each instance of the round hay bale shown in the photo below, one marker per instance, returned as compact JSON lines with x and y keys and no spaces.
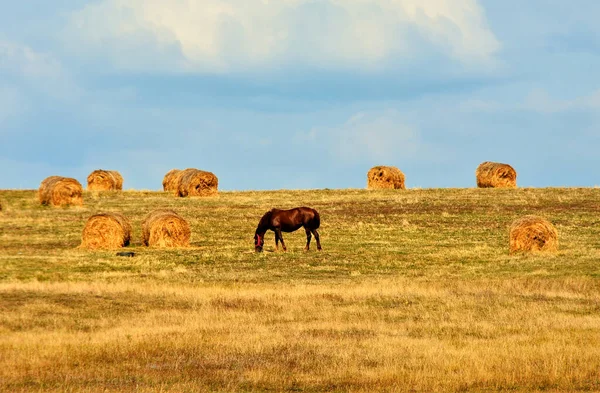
{"x":495,"y":175}
{"x":194,"y":182}
{"x":165,"y":228}
{"x":533,"y":234}
{"x":106,"y":231}
{"x":59,"y":191}
{"x":385,"y":177}
{"x":101,"y":180}
{"x":171,"y":180}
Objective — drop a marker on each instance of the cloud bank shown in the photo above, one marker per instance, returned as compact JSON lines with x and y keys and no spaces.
{"x":27,"y":69}
{"x":366,"y":137}
{"x":217,"y":36}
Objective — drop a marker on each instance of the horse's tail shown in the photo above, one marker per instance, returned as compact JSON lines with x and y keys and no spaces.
{"x":316,"y":219}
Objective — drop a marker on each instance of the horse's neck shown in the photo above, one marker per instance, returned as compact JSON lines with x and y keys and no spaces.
{"x":264,"y":224}
{"x":261,"y":228}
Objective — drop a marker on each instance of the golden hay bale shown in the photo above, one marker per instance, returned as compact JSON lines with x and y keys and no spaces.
{"x":496,"y":175}
{"x":533,"y":233}
{"x":194,"y":182}
{"x":101,"y":180}
{"x":58,"y":191}
{"x":106,"y":231}
{"x":171,"y":180}
{"x":382,"y":177}
{"x":165,"y":228}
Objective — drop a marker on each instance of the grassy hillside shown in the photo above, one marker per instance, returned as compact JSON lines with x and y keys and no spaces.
{"x":414,"y":291}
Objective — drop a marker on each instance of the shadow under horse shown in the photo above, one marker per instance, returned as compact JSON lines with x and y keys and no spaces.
{"x":287,"y":221}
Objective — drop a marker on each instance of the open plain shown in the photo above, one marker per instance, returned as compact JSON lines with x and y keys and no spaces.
{"x":414,"y":291}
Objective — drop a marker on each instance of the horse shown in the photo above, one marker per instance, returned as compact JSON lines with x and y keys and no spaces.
{"x":287,"y":221}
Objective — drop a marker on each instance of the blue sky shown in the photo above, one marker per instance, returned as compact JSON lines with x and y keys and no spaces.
{"x":300,"y":93}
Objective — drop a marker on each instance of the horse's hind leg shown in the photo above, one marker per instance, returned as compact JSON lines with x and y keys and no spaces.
{"x":278,"y":233}
{"x":307,"y":239}
{"x":314,"y":232}
{"x":276,"y":241}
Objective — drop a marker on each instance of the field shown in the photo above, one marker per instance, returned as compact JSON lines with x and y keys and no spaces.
{"x":414,"y":291}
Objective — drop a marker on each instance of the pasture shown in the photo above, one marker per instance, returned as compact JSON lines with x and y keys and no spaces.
{"x":414,"y":291}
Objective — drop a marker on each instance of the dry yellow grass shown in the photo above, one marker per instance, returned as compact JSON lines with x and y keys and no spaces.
{"x":385,"y":177}
{"x":171,"y":180}
{"x":495,"y":175}
{"x":165,"y":228}
{"x":194,"y":182}
{"x":106,"y":231}
{"x":533,"y":234}
{"x":102,"y":180}
{"x":376,"y":335}
{"x":415,"y":291}
{"x":60,"y":191}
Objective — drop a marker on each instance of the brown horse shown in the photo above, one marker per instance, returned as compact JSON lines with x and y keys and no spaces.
{"x":287,"y":221}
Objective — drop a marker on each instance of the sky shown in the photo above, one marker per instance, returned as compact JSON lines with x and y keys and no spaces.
{"x":300,"y":94}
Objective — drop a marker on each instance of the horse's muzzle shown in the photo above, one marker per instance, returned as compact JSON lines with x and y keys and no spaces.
{"x":258,"y":248}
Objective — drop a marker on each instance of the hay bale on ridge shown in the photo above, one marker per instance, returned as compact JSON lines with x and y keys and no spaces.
{"x":165,"y":228}
{"x":171,"y":180}
{"x":533,"y":234}
{"x":495,"y":175}
{"x":385,"y":177}
{"x":106,"y":231}
{"x":59,"y":191}
{"x":101,"y":180}
{"x":194,"y":182}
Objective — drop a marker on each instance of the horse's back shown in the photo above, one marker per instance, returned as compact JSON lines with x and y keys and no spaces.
{"x":312,"y":217}
{"x":292,"y":219}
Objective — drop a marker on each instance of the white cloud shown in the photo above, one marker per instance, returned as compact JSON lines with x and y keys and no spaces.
{"x":12,"y":104}
{"x":374,"y":136}
{"x":528,"y":99}
{"x":539,"y":100}
{"x":24,"y":60}
{"x":235,"y":35}
{"x":40,"y":71}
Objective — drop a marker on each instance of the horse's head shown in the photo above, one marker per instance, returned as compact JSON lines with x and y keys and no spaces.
{"x":259,"y":241}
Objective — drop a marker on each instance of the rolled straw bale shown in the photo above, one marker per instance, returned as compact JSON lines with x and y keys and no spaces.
{"x":533,"y":233}
{"x":171,"y":180}
{"x":194,"y":182}
{"x":496,"y":175}
{"x":101,"y":180}
{"x":385,"y":177}
{"x":106,"y":231}
{"x":165,"y":228}
{"x":59,"y":191}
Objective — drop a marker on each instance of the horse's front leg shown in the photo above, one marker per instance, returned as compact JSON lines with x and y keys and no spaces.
{"x":307,"y":239}
{"x":278,"y":233}
{"x":314,"y":231}
{"x":276,"y":241}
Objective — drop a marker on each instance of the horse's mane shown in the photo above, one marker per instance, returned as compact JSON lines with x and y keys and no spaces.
{"x":264,"y":222}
